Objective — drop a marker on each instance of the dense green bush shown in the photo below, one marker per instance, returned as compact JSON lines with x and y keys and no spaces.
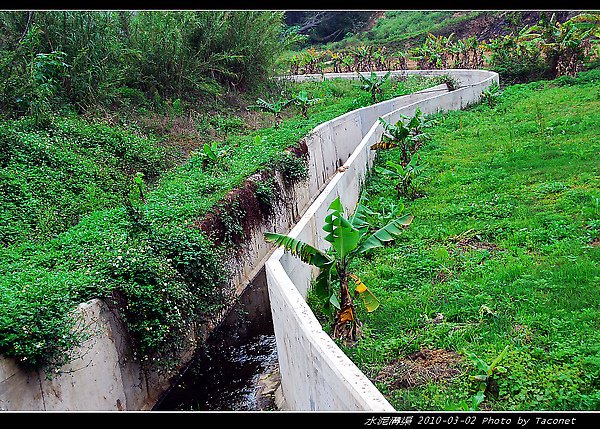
{"x":98,"y":57}
{"x":50,"y":178}
{"x":166,"y":281}
{"x":517,"y":61}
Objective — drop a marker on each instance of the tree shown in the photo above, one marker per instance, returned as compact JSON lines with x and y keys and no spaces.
{"x":327,"y":26}
{"x":349,"y":237}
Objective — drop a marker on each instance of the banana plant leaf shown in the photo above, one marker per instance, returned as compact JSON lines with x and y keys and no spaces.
{"x":385,"y":234}
{"x":370,"y":301}
{"x":342,"y":234}
{"x":307,"y":253}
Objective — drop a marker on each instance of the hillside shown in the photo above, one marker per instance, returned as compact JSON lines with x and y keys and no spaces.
{"x":488,"y":25}
{"x":403,"y":29}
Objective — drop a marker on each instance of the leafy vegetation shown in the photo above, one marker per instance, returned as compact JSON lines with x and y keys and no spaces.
{"x":405,"y":175}
{"x":120,"y":148}
{"x":373,"y":83}
{"x":48,"y":183}
{"x":101,"y":57}
{"x":274,"y":107}
{"x":547,"y":49}
{"x":348,"y":238}
{"x":500,"y":265}
{"x":92,"y":209}
{"x":303,"y":102}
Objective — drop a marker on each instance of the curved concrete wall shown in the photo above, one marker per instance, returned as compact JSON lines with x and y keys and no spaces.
{"x":106,"y":376}
{"x":315,"y":373}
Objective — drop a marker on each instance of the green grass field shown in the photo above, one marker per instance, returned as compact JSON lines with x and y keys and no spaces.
{"x":503,"y":252}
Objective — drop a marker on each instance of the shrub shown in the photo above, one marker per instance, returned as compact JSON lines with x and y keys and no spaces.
{"x":164,"y":54}
{"x":517,"y":60}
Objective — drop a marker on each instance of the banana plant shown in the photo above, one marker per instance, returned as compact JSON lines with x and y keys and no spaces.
{"x":402,"y":63}
{"x":565,"y":44}
{"x":417,"y":126}
{"x":362,"y":58}
{"x":275,"y":108}
{"x":486,"y":383}
{"x":348,"y":237}
{"x":407,"y":136}
{"x":404,"y":174}
{"x":373,"y":84}
{"x":302,"y":100}
{"x":211,"y":154}
{"x":394,"y":135}
{"x":491,"y":95}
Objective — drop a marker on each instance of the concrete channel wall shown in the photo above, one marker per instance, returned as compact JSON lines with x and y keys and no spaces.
{"x":315,"y":373}
{"x":105,"y":375}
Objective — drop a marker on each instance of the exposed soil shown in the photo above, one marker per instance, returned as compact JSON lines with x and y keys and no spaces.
{"x":373,"y":20}
{"x":472,"y":243}
{"x":240,"y":205}
{"x":490,"y":25}
{"x":442,"y":276}
{"x":421,"y":367}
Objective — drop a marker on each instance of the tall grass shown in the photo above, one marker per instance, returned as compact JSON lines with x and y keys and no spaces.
{"x":183,"y":54}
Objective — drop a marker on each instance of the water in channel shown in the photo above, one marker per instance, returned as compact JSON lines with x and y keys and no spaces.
{"x":236,"y":370}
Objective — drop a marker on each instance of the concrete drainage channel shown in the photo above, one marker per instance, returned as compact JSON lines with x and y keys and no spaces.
{"x":306,"y":352}
{"x":314,"y":373}
{"x":236,"y":369}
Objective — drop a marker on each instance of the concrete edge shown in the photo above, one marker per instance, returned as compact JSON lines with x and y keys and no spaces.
{"x":324,"y":355}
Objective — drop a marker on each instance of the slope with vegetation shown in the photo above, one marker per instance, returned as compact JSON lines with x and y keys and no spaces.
{"x":489,"y":300}
{"x":121,"y":183}
{"x":520,"y":46}
{"x":99,"y":108}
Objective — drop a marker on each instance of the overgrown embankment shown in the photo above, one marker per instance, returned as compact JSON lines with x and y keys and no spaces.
{"x":95,"y":107}
{"x":140,"y":214}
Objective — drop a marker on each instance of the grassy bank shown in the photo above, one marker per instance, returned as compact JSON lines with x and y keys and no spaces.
{"x":503,"y":253}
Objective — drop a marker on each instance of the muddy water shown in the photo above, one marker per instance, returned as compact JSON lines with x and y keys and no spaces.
{"x":228,"y":373}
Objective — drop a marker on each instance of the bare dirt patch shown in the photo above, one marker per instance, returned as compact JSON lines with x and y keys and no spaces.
{"x":420,"y":368}
{"x":442,"y":276}
{"x":473,"y":243}
{"x":472,"y":240}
